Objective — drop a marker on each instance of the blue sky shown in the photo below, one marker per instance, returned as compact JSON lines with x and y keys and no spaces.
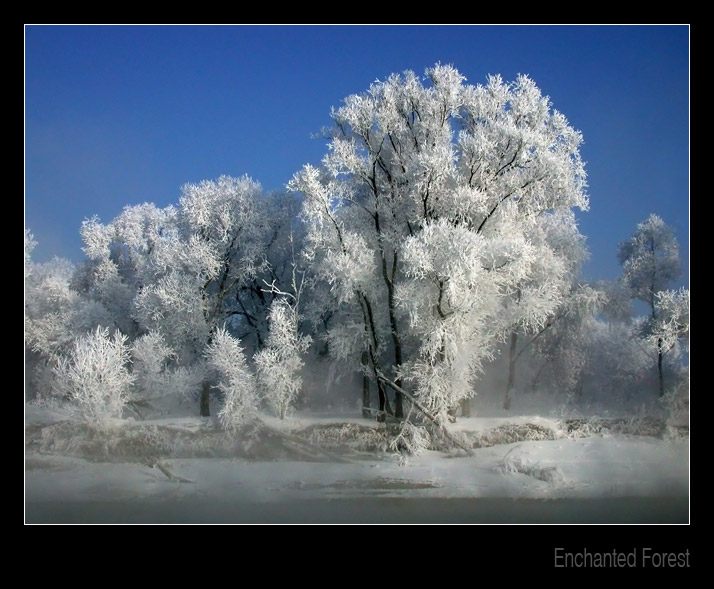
{"x":127,"y":114}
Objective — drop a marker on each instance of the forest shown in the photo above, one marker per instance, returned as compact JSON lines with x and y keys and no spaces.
{"x":427,"y":271}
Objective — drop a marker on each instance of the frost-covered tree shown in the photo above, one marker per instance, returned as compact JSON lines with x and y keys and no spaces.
{"x":50,"y":308}
{"x":453,"y":300}
{"x":672,"y":330}
{"x":159,"y":379}
{"x":280,"y":362}
{"x":650,"y":263}
{"x":55,"y":315}
{"x":183,"y":271}
{"x":552,"y":282}
{"x":672,"y":310}
{"x":618,"y":367}
{"x":650,"y":260}
{"x":419,"y":221}
{"x":564,"y":348}
{"x":281,"y":240}
{"x":95,"y":376}
{"x":235,"y":380}
{"x":669,"y":331}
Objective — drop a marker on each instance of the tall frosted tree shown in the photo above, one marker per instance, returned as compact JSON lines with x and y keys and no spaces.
{"x":650,"y":263}
{"x":419,"y":217}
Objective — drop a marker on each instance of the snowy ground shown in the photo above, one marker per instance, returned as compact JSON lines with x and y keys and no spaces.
{"x":603,"y":478}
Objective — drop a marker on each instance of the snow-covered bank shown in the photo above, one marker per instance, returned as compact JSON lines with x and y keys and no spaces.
{"x":586,"y":468}
{"x":598,"y":479}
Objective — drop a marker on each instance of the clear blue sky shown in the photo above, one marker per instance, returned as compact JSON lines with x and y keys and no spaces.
{"x":125,"y":114}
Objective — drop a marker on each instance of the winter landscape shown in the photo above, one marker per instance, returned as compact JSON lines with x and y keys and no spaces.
{"x":405,"y":332}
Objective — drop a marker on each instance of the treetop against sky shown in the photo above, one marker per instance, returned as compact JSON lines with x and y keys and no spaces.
{"x":120,"y":115}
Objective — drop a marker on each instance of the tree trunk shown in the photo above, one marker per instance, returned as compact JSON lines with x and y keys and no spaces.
{"x":396,"y":340}
{"x":205,"y":400}
{"x":398,"y":403}
{"x":660,"y":372}
{"x":384,"y":406}
{"x":511,"y":370}
{"x":366,"y":403}
{"x":372,"y":353}
{"x":466,"y":408}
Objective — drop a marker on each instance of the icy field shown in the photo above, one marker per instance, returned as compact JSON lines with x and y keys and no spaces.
{"x":318,"y":470}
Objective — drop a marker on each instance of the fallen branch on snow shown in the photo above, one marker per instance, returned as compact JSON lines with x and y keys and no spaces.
{"x":425,"y":412}
{"x":171,"y":476}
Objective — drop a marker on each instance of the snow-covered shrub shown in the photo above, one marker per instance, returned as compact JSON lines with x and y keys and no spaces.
{"x":512,"y":464}
{"x":95,"y":376}
{"x":508,"y":433}
{"x":352,"y":436}
{"x":235,"y":380}
{"x":280,"y":362}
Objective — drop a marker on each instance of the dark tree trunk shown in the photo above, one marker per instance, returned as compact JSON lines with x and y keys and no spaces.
{"x":660,"y":372}
{"x":511,"y":370}
{"x":366,"y":402}
{"x":372,"y":353}
{"x":205,"y":400}
{"x":396,"y":340}
{"x":384,"y":406}
{"x":398,"y":403}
